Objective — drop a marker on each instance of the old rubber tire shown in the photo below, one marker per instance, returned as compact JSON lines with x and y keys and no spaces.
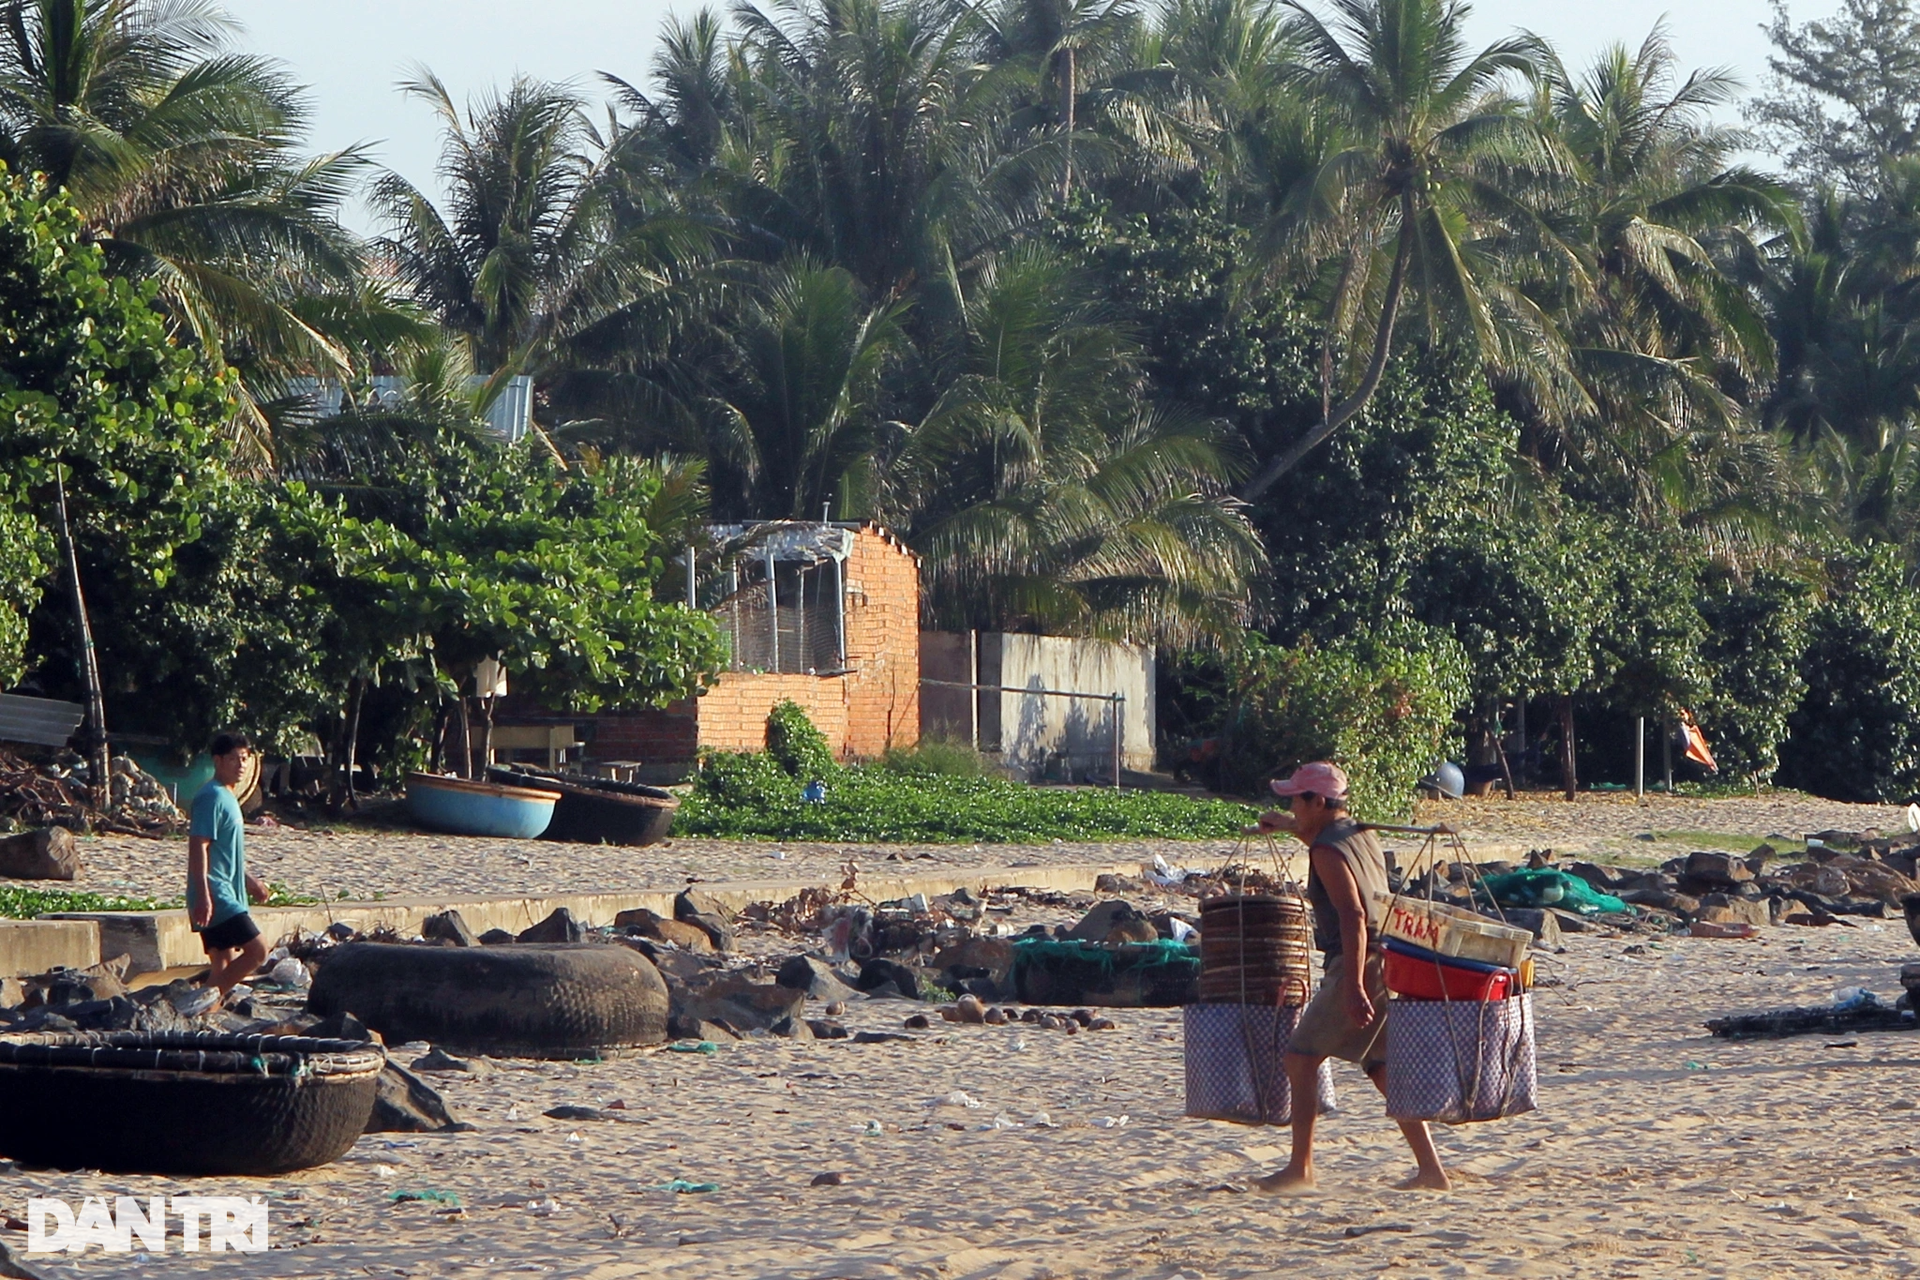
{"x":527,"y":1000}
{"x":184,"y":1103}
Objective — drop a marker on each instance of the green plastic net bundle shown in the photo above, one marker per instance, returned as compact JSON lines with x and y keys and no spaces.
{"x":1548,"y":888}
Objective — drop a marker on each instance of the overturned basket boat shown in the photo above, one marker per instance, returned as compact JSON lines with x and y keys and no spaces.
{"x":179,"y":1102}
{"x":598,"y":810}
{"x":524,"y":1000}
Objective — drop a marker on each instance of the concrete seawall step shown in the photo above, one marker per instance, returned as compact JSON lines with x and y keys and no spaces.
{"x":35,"y":946}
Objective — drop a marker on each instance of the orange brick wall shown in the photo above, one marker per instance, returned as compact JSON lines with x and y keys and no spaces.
{"x":883,"y":645}
{"x":874,"y":706}
{"x":733,"y":714}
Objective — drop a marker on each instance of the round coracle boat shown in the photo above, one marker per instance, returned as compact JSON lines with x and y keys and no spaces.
{"x":461,"y":806}
{"x":180,"y":1102}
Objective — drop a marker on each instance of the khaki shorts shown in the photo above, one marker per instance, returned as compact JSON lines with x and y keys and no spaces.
{"x":1327,"y":1028}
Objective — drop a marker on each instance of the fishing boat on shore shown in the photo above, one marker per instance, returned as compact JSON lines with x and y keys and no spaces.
{"x":598,"y":810}
{"x":466,"y":807}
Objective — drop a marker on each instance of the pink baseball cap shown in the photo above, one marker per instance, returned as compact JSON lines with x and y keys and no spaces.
{"x":1321,"y":778}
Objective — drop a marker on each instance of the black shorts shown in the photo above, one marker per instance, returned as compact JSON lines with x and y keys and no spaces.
{"x":230,"y":934}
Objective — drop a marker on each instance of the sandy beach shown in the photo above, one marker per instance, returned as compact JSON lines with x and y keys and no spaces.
{"x":355,"y":863}
{"x":1657,"y":1151}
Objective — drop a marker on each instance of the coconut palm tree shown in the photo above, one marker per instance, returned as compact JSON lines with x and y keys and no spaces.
{"x":521,"y":236}
{"x":873,"y":137}
{"x":550,"y":258}
{"x":1067,"y":40}
{"x":1431,"y":154}
{"x":793,"y":419}
{"x":1667,"y":238}
{"x":1044,"y":490}
{"x":182,"y":155}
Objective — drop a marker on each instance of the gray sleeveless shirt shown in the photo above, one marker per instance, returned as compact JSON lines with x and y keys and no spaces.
{"x":1367,"y":862}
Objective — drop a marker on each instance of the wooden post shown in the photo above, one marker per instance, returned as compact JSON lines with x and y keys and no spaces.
{"x":96,"y":736}
{"x":1568,"y":778}
{"x":1520,"y":727}
{"x":355,"y":699}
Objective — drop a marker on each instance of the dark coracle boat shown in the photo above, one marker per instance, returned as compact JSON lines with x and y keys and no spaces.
{"x":597,"y":810}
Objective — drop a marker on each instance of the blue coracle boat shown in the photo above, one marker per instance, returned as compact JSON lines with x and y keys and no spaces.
{"x":478,"y":808}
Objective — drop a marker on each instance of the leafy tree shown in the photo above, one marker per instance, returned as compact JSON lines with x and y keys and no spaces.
{"x":193,"y":633}
{"x":24,"y":561}
{"x":1756,"y":632}
{"x":1856,"y":733}
{"x":184,"y":157}
{"x":1382,"y":706}
{"x":471,"y":552}
{"x":1844,"y":95}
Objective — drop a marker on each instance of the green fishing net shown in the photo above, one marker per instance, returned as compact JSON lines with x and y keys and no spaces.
{"x":1547,"y":888}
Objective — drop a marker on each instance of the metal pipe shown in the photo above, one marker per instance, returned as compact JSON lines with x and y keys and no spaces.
{"x":1640,"y":758}
{"x":773,"y":608}
{"x":1006,"y":688}
{"x":1119,"y":723}
{"x":839,"y":610}
{"x":693,"y":601}
{"x":973,"y":699}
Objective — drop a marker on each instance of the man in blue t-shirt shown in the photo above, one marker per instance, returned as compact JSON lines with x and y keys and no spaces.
{"x":218,"y":886}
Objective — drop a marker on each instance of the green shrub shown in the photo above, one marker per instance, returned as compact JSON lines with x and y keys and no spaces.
{"x":796,"y":745}
{"x":1856,"y":733}
{"x":937,"y":757}
{"x":1382,"y":707}
{"x":1756,"y":632}
{"x":753,"y":794}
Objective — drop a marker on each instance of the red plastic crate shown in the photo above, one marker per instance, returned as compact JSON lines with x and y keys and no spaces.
{"x":1425,"y":979}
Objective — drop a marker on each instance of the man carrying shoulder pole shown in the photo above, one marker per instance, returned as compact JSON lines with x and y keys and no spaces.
{"x":1346,"y":879}
{"x":218,"y":885}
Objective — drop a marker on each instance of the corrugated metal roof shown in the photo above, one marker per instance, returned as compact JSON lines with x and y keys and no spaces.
{"x":42,"y":722}
{"x":804,"y":541}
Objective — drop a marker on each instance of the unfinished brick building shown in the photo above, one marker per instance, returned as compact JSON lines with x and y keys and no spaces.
{"x":824,"y":614}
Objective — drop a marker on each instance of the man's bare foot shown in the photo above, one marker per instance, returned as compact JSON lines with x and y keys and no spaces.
{"x":1437,"y":1180}
{"x":1288,"y":1182}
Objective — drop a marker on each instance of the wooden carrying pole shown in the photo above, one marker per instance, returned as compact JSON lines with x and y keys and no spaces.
{"x":96,"y":734}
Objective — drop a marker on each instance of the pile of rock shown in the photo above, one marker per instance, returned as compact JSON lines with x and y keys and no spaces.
{"x":1719,"y":887}
{"x":97,"y":998}
{"x":972,"y":1010}
{"x":135,"y":793}
{"x":1712,"y":887}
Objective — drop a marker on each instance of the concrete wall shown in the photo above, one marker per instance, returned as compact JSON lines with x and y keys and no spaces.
{"x":35,"y":946}
{"x":1027,"y":729}
{"x":873,"y":706}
